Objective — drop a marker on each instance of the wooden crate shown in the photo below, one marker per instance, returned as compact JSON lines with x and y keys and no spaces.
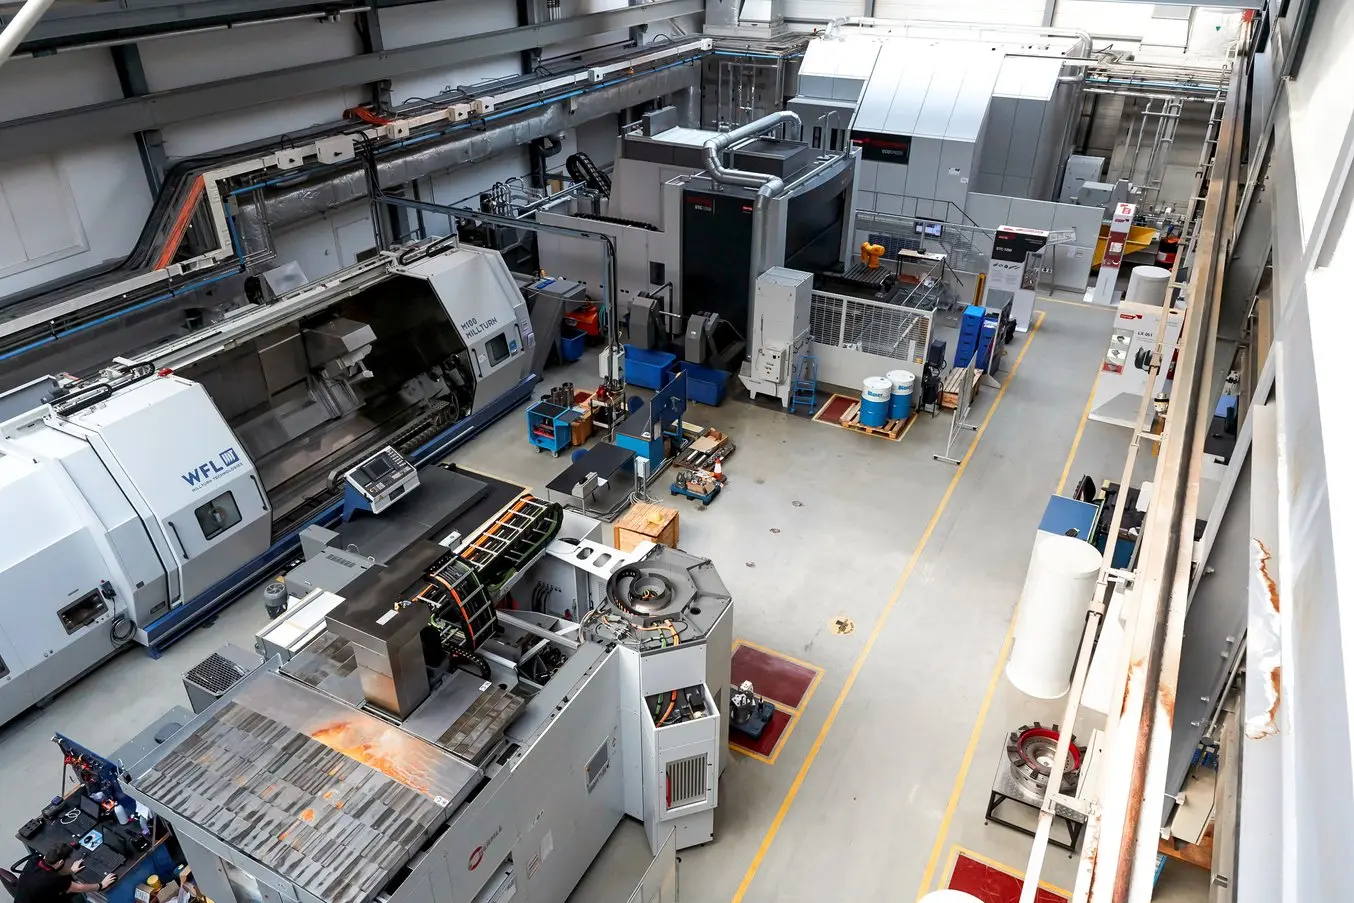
{"x":951,"y":387}
{"x":645,"y":520}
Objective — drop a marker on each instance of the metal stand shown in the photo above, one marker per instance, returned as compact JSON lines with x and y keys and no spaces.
{"x":961,"y":410}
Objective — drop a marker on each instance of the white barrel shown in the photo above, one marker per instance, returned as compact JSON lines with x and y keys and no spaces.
{"x":874,"y":401}
{"x":1148,"y":285}
{"x":1053,"y":605}
{"x":949,"y":896}
{"x":900,"y":403}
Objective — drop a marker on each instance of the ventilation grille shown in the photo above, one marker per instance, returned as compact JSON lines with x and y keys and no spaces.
{"x":215,"y":674}
{"x":686,"y":781}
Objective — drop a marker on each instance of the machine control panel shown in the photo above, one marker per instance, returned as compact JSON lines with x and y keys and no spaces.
{"x":382,"y":479}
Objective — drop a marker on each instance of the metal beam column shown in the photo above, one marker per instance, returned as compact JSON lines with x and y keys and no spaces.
{"x":99,"y":122}
{"x":150,"y":144}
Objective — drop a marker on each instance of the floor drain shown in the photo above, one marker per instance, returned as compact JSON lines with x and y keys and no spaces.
{"x":842,"y":626}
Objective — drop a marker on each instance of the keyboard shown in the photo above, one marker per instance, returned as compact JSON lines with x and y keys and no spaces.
{"x":103,"y":861}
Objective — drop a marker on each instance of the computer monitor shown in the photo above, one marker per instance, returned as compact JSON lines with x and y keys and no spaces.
{"x":930,"y":230}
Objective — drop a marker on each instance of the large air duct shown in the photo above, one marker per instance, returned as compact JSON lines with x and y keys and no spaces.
{"x":465,"y":147}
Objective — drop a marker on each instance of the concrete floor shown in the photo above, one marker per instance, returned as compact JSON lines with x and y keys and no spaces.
{"x":886,"y":772}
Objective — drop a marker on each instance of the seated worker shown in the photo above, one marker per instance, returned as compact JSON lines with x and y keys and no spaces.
{"x":48,"y":880}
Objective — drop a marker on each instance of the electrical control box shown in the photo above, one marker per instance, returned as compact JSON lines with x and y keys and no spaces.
{"x":770,"y":363}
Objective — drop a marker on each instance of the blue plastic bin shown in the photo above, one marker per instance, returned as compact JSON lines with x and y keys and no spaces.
{"x":650,"y":369}
{"x":570,"y":344}
{"x":704,"y":384}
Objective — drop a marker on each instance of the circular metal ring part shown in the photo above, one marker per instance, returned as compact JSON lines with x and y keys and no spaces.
{"x":1031,"y":750}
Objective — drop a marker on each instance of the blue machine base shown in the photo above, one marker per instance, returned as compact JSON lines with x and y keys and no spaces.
{"x":169,"y":628}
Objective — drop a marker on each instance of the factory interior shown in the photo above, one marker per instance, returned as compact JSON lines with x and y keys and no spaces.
{"x":418,"y":480}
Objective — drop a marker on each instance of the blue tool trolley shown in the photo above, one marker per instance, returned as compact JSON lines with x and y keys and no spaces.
{"x":548,"y":426}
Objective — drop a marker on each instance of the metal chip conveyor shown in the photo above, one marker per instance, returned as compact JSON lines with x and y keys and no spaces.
{"x":335,"y":799}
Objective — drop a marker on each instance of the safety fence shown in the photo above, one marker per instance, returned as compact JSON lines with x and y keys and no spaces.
{"x":856,"y":324}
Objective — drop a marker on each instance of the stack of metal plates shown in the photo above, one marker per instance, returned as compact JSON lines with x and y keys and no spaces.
{"x":330,"y":798}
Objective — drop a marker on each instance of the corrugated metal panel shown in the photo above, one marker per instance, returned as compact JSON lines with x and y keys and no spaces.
{"x":994,"y":12}
{"x":687,"y":782}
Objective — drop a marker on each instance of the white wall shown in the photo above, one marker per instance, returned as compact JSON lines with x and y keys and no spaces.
{"x":1157,"y":32}
{"x":67,"y":212}
{"x":1320,"y":102}
{"x":990,"y":12}
{"x":405,"y":26}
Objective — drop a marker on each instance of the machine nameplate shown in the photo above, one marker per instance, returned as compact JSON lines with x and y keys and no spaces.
{"x":474,"y":328}
{"x":208,"y":471}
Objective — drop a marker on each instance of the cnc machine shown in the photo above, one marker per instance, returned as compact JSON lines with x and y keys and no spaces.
{"x":156,"y":491}
{"x":370,"y":766}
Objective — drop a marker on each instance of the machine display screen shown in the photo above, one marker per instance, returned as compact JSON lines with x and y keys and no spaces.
{"x":931,"y":230}
{"x":498,"y":349}
{"x":376,"y":469}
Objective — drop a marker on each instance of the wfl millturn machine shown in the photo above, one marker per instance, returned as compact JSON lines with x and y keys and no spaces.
{"x":156,"y":490}
{"x":373,"y":766}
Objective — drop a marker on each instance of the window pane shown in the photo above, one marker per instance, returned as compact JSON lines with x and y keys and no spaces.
{"x":218,"y":515}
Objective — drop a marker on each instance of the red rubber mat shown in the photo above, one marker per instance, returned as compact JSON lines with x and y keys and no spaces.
{"x":764,"y":745}
{"x":992,"y":885}
{"x":834,"y":409}
{"x":777,"y":678}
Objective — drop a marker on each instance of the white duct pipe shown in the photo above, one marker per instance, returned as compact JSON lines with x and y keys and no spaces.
{"x":768,"y":186}
{"x":19,"y":27}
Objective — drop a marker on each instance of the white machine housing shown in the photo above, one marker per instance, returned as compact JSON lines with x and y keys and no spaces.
{"x":535,"y":810}
{"x":780,"y":330}
{"x":142,"y":500}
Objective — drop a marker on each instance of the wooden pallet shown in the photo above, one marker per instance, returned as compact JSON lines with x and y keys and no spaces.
{"x":892,"y":430}
{"x":951,"y":387}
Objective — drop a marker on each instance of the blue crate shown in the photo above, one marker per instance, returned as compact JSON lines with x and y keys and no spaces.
{"x":705,"y":385}
{"x":650,"y":369}
{"x":570,"y":344}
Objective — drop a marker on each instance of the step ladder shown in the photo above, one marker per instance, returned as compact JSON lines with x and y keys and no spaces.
{"x":804,"y":392}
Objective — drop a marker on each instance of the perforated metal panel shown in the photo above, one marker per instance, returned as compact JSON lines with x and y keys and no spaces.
{"x":687,"y":781}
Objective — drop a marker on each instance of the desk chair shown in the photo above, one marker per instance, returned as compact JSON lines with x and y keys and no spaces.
{"x":9,"y":877}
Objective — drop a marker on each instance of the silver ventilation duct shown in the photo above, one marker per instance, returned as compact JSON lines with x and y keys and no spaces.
{"x":295,"y":204}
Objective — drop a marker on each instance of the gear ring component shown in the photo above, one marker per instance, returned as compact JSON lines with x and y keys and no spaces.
{"x":1031,"y":750}
{"x":641,"y":592}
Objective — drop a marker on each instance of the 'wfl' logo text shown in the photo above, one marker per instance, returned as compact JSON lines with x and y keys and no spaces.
{"x":210,"y":470}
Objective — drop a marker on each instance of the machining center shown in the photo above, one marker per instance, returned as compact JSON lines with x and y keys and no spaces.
{"x":370,"y":765}
{"x":159,"y":488}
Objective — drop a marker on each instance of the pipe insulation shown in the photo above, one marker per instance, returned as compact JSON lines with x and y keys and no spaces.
{"x":466,"y":146}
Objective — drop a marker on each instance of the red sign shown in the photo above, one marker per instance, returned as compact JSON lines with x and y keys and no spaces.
{"x":476,"y":858}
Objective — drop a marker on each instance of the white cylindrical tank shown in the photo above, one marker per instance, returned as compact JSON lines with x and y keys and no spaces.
{"x":949,"y":896}
{"x":1053,"y":606}
{"x":1148,"y":285}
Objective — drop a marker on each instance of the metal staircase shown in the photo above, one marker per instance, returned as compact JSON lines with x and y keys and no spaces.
{"x":804,"y":393}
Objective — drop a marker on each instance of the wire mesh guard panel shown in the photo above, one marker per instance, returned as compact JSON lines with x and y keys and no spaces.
{"x":687,"y":780}
{"x":884,"y":329}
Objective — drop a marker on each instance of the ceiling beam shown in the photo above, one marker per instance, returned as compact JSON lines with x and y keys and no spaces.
{"x":80,"y":126}
{"x":66,"y":25}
